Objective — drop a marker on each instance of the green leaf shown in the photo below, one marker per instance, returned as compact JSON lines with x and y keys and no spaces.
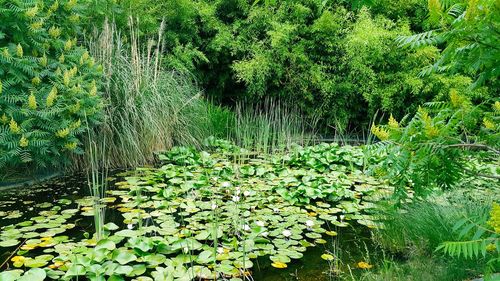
{"x":124,"y":257}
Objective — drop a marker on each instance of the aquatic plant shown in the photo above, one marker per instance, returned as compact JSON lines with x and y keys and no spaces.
{"x":202,"y":214}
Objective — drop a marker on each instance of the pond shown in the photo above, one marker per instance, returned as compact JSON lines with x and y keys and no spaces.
{"x":199,"y":216}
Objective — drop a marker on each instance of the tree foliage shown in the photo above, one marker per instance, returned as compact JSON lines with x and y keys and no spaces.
{"x":48,"y":83}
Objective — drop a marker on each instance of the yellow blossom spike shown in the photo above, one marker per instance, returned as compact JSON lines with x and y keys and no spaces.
{"x":488,"y":124}
{"x":93,"y":89}
{"x":23,"y":142}
{"x":74,"y":18}
{"x":19,"y":50}
{"x":62,"y":133}
{"x":68,"y":45}
{"x":6,"y":53}
{"x":66,"y":78}
{"x":36,"y":25}
{"x":494,"y":220}
{"x":76,"y":124}
{"x":54,"y":32}
{"x":36,"y":81}
{"x":4,"y":119}
{"x":61,"y":58}
{"x":75,"y":108}
{"x":32,"y":101}
{"x":393,"y":123}
{"x":431,"y":131}
{"x":43,"y":60}
{"x":71,"y":4}
{"x":31,"y":12}
{"x":54,"y":6}
{"x":14,"y":127}
{"x":51,"y":97}
{"x":380,"y":132}
{"x":496,"y":106}
{"x":70,"y":145}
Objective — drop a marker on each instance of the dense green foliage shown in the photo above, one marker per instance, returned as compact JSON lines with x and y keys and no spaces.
{"x":336,"y":61}
{"x":48,"y":83}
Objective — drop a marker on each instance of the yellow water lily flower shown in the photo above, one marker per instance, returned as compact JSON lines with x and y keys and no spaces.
{"x":279,"y":265}
{"x":17,"y":258}
{"x":364,"y":265}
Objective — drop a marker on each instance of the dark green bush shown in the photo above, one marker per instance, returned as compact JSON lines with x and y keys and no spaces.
{"x":335,"y":60}
{"x":48,"y":83}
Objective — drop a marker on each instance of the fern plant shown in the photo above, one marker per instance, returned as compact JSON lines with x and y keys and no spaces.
{"x":48,"y":83}
{"x":479,"y":237}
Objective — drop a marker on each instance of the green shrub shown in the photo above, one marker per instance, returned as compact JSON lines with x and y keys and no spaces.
{"x":48,"y":83}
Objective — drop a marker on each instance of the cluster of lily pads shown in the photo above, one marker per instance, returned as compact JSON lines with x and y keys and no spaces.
{"x":203,"y":215}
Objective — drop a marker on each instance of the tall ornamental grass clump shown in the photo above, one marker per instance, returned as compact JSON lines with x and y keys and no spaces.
{"x":48,"y":84}
{"x":148,"y":108}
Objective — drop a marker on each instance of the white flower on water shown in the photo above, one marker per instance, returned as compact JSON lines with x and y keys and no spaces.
{"x":276,"y":210}
{"x":264,"y":234}
{"x":236,"y":198}
{"x":226,"y":184}
{"x":214,"y":206}
{"x":220,"y":250}
{"x":246,"y":227}
{"x":259,"y":223}
{"x":341,"y":217}
{"x":246,"y":193}
{"x":130,"y":226}
{"x":309,"y":223}
{"x":185,"y":250}
{"x":286,"y":233}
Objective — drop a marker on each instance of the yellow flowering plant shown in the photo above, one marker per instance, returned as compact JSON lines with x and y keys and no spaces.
{"x":51,"y":84}
{"x":430,"y":149}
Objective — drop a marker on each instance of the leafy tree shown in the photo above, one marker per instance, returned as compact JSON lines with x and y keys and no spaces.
{"x":48,"y":83}
{"x":470,"y":34}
